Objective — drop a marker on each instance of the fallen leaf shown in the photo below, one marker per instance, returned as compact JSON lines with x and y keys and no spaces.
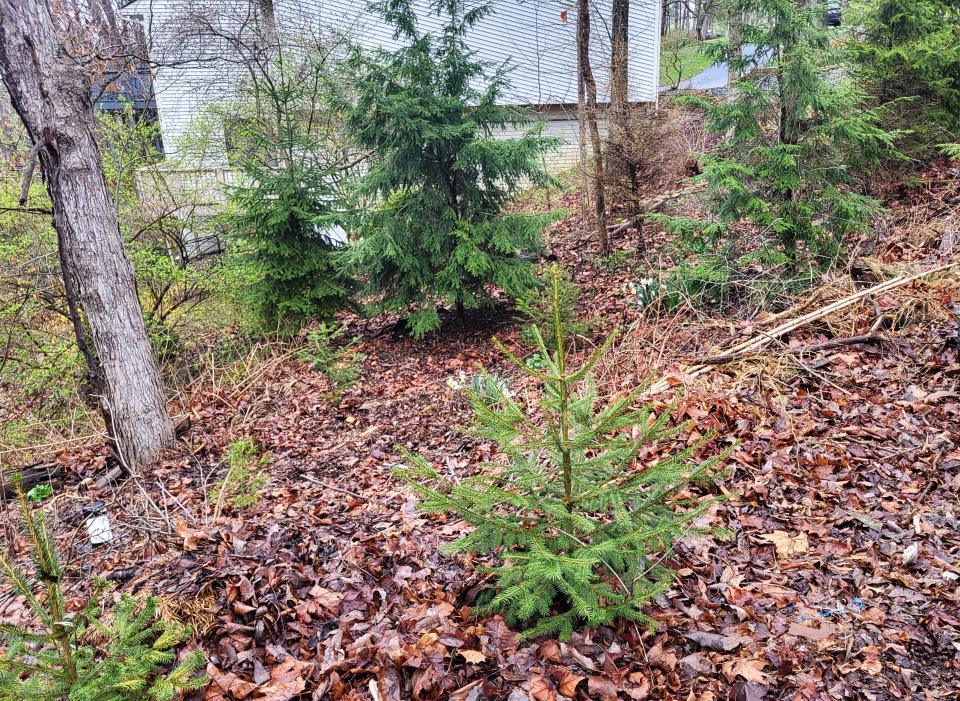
{"x":822,"y":633}
{"x":751,"y":692}
{"x":787,"y":544}
{"x":473,"y":656}
{"x":550,"y":651}
{"x":697,"y":662}
{"x":641,"y":689}
{"x":751,"y":670}
{"x":388,"y":682}
{"x":665,"y":659}
{"x":191,"y":536}
{"x":910,"y":554}
{"x":871,"y":660}
{"x":328,"y":599}
{"x":569,"y":682}
{"x":542,"y":690}
{"x":287,"y":680}
{"x":712,"y":641}
{"x":230,"y":683}
{"x":605,"y":689}
{"x":471,"y":692}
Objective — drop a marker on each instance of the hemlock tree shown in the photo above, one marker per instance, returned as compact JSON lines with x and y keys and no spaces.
{"x":286,"y":208}
{"x":51,"y":95}
{"x":911,"y":48}
{"x":580,"y":524}
{"x":797,"y":135}
{"x":284,"y":218}
{"x":438,"y":180}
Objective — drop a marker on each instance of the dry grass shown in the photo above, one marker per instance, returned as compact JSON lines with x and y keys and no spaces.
{"x":668,"y":348}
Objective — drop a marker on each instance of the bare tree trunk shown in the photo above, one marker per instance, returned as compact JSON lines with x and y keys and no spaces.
{"x":703,"y":9}
{"x":621,"y":167}
{"x":586,"y":78}
{"x":585,"y":214}
{"x":50,"y":93}
{"x":736,"y":48}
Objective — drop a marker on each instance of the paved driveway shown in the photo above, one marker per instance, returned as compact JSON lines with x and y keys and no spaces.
{"x":716,"y":76}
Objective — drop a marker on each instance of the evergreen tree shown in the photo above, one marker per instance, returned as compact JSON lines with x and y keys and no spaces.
{"x":285,"y":219}
{"x":580,"y":525}
{"x":911,"y":49}
{"x":537,"y":308}
{"x":118,"y":655}
{"x":287,"y":206}
{"x":796,"y":135}
{"x":438,"y":180}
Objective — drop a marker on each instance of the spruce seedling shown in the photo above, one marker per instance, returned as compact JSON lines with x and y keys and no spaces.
{"x":91,"y":655}
{"x":578,"y":524}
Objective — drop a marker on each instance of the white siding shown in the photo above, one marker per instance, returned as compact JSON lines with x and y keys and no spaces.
{"x":559,"y":122}
{"x":195,"y":68}
{"x":532,"y":36}
{"x":195,"y":65}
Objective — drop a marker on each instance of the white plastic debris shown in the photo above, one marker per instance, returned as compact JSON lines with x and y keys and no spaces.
{"x":97,"y":521}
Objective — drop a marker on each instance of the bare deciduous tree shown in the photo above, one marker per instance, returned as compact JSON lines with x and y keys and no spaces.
{"x":621,"y":167}
{"x":588,"y":115}
{"x":51,"y":95}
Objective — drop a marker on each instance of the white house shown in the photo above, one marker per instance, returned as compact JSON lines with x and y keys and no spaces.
{"x":194,"y":65}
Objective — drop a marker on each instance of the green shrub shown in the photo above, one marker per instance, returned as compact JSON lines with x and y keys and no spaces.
{"x":288,"y":211}
{"x":241,"y":486}
{"x":164,"y":339}
{"x":911,"y":49}
{"x":327,"y":353}
{"x":616,"y":262}
{"x":119,"y":654}
{"x":796,"y":140}
{"x":580,"y":527}
{"x":282,"y":218}
{"x":40,"y":492}
{"x":951,"y":150}
{"x":438,"y":231}
{"x":535,"y":361}
{"x":699,"y":284}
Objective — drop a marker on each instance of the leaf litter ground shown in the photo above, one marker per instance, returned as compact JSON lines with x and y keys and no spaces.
{"x":842,"y":579}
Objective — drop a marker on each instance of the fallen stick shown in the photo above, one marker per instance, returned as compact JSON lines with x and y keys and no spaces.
{"x":851,"y":341}
{"x":765,"y":338}
{"x":30,"y":477}
{"x":652,"y":205}
{"x":826,"y":345}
